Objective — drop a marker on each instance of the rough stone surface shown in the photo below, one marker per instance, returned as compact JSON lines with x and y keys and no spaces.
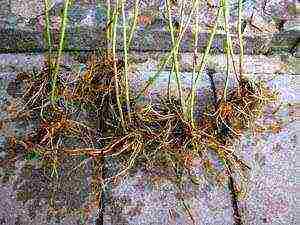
{"x":27,"y":9}
{"x":4,"y":7}
{"x":266,"y":29}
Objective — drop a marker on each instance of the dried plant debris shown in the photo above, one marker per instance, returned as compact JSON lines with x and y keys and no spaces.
{"x":84,"y":121}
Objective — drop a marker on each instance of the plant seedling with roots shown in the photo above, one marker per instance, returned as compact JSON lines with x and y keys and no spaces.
{"x":99,"y":108}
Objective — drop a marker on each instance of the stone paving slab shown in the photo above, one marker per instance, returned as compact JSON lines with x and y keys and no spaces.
{"x":147,"y":61}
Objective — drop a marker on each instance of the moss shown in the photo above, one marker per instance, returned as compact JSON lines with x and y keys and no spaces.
{"x":26,"y":45}
{"x":33,"y":155}
{"x":24,"y":196}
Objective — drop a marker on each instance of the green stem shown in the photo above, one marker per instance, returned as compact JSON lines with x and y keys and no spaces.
{"x":191,"y":110}
{"x":240,"y":38}
{"x":203,"y":61}
{"x":125,"y":61}
{"x":175,"y":57}
{"x":227,"y":74}
{"x":228,"y":45}
{"x":114,"y":40}
{"x":135,"y":18}
{"x":169,"y":83}
{"x":181,"y":13}
{"x":61,"y":44}
{"x":152,"y":79}
{"x":180,"y":30}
